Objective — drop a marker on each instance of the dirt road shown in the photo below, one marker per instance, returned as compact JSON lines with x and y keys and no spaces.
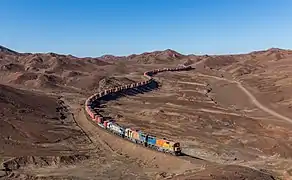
{"x":253,"y":99}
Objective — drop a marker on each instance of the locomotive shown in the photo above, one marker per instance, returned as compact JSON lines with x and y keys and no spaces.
{"x":131,"y":134}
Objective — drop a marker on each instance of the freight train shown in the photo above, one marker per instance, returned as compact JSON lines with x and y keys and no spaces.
{"x":131,"y":134}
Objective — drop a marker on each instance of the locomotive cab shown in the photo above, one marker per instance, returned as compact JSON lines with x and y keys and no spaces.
{"x":177,"y":149}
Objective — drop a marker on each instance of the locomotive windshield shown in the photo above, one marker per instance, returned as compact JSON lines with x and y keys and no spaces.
{"x":176,"y":145}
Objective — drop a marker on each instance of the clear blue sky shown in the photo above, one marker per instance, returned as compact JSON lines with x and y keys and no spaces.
{"x":123,"y":27}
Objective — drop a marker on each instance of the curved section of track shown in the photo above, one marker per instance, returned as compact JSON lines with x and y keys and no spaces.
{"x":94,"y":116}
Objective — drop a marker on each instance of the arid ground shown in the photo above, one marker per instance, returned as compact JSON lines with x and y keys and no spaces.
{"x":231,"y":114}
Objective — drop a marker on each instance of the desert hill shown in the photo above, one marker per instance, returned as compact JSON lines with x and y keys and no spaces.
{"x":237,"y":135}
{"x":30,"y":120}
{"x":6,"y":50}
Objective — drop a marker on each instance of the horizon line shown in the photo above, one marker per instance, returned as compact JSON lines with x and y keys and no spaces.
{"x":149,"y":51}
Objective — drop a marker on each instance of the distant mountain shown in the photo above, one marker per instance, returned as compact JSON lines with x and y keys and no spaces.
{"x":111,"y":57}
{"x":158,"y":57}
{"x":6,"y":50}
{"x":168,"y":53}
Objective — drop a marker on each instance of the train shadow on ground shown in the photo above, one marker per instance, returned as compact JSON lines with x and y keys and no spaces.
{"x":190,"y":156}
{"x":129,"y":92}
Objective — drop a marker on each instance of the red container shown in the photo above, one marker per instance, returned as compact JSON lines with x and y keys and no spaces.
{"x":100,"y":120}
{"x":105,"y":123}
{"x":96,"y":118}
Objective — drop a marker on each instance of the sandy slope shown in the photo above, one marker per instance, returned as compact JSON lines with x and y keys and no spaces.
{"x":254,"y":100}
